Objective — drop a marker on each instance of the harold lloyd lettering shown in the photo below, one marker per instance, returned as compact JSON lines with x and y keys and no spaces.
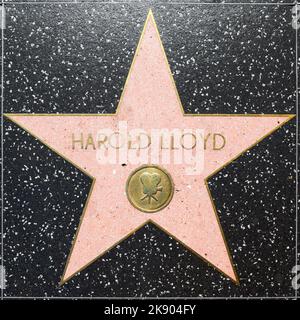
{"x":168,"y":141}
{"x":137,"y":146}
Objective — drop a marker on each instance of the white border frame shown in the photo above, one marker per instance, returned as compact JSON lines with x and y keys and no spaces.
{"x":7,"y":2}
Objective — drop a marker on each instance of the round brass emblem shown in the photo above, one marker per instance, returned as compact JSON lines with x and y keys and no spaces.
{"x":149,"y":188}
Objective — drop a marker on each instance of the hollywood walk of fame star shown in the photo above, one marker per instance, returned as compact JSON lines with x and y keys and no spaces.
{"x":149,"y":97}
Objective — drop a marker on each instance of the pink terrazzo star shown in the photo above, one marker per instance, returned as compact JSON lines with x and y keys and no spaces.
{"x":149,"y":99}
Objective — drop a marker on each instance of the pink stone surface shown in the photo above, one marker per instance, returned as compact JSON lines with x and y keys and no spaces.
{"x":149,"y":100}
